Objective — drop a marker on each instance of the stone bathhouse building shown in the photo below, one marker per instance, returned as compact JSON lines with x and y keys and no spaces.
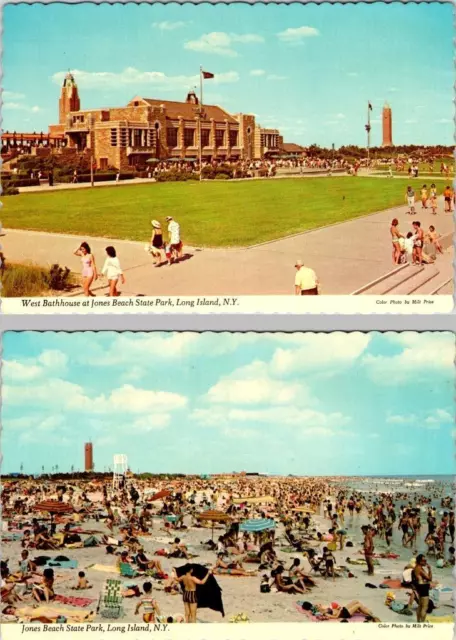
{"x":146,"y":128}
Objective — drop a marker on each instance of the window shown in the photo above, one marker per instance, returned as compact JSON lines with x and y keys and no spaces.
{"x":123,"y":137}
{"x":78,"y":119}
{"x":113,"y":137}
{"x":219,"y":137}
{"x":137,"y":141}
{"x":171,"y":136}
{"x":103,"y":163}
{"x":233,"y":138}
{"x":205,"y":137}
{"x":189,"y":137}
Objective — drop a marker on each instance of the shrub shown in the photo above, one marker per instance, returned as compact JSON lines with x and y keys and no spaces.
{"x":19,"y":181}
{"x":177,"y":176}
{"x":221,"y":176}
{"x":58,"y":278}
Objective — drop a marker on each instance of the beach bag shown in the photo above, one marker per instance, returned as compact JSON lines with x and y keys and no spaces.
{"x":265,"y":588}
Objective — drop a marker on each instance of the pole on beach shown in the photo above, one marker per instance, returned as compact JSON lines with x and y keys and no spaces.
{"x":200,"y":142}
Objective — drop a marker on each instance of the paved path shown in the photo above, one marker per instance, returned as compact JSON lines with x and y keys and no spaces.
{"x":345,"y":256}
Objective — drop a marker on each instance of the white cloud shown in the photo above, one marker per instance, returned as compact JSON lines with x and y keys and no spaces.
{"x":151,"y":423}
{"x":221,"y":43}
{"x":423,"y":355}
{"x":19,"y":106}
{"x":129,"y":399}
{"x":170,"y":26}
{"x":317,"y":352}
{"x":258,"y":72}
{"x":352,"y":74}
{"x":438,"y":417}
{"x":136,"y":78}
{"x":295,"y":35}
{"x":443,"y":121}
{"x":255,"y":391}
{"x":47,"y":363}
{"x":340,"y":116}
{"x":12,"y":95}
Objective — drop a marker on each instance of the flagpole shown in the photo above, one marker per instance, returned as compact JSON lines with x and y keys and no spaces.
{"x":200,"y":142}
{"x":368,"y":130}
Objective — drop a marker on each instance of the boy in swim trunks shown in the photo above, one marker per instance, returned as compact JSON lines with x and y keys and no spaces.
{"x":410,"y":199}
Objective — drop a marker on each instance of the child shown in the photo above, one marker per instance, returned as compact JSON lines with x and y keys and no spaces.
{"x":410,"y":197}
{"x":433,"y":237}
{"x":418,"y":243}
{"x":448,"y":195}
{"x":265,"y":586}
{"x":149,"y":604}
{"x":408,"y":246}
{"x":113,"y":271}
{"x":433,"y":194}
{"x":329,"y":563}
{"x":82,"y":582}
{"x":424,"y":196}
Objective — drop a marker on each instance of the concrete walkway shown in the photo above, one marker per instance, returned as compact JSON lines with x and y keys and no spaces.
{"x":345,"y":256}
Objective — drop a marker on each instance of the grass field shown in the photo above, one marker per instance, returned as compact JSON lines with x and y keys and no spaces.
{"x":211,"y":214}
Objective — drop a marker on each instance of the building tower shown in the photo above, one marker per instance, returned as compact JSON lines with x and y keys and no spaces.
{"x":69,"y":98}
{"x":88,"y":457}
{"x":387,"y":122}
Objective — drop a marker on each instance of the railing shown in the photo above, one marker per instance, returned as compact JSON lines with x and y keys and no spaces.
{"x":76,"y":127}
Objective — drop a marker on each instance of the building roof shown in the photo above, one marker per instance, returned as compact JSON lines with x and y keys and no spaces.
{"x":187,"y":110}
{"x":291,"y":147}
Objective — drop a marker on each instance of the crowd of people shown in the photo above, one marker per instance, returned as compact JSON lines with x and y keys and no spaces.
{"x":318,"y":521}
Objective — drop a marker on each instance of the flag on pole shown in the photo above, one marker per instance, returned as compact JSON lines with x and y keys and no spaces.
{"x":207,"y":75}
{"x":370,"y":106}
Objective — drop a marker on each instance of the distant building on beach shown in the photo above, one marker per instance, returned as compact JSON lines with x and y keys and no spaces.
{"x":387,"y":126}
{"x":88,"y":457}
{"x":152,"y":129}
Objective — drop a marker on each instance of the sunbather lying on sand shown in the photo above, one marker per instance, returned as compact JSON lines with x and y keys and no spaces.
{"x":342,"y":612}
{"x":49,"y":614}
{"x":231,"y":568}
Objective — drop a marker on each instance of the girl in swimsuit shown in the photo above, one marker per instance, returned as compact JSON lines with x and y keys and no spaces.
{"x":156,"y":242}
{"x":89,"y":268}
{"x":395,"y":237}
{"x":149,"y":604}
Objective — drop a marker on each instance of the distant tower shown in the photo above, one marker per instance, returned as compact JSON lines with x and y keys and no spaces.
{"x":69,"y":98}
{"x":88,"y":457}
{"x":387,"y":122}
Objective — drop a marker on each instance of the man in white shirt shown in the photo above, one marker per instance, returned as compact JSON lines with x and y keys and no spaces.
{"x":174,"y":238}
{"x":306,"y":282}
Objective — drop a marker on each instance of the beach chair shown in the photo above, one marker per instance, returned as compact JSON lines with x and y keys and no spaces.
{"x":111,"y":600}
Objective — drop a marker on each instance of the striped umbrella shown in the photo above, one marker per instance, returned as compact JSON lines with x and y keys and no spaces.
{"x":214,"y":516}
{"x":260,"y":524}
{"x":53,"y":507}
{"x":161,"y":494}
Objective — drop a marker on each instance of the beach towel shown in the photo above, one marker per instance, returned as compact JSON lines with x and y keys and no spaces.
{"x":74,"y":601}
{"x":226,"y":572}
{"x":127,"y":571}
{"x":91,"y":541}
{"x":209,"y":595}
{"x":392,"y":584}
{"x":62,"y":564}
{"x":361,"y":561}
{"x":385,"y":556}
{"x":438,"y":619}
{"x":104,"y":567}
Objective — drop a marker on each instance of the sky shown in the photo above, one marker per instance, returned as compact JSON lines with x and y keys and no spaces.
{"x":308,"y":70}
{"x":302,"y":404}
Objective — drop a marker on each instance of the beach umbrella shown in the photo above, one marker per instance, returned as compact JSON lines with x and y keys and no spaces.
{"x":256,"y":525}
{"x":208,"y":595}
{"x":214,"y":516}
{"x":53,"y":507}
{"x":161,"y":494}
{"x":153,"y":161}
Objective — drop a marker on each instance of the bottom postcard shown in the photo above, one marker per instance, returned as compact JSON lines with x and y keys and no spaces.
{"x":153,"y":479}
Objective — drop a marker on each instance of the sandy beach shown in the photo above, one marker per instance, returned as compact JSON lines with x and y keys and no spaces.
{"x":240,"y":594}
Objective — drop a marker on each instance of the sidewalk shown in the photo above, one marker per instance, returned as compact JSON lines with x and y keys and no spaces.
{"x":345,"y":256}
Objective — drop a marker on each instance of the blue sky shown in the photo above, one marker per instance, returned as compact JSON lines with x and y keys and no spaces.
{"x":325,"y":404}
{"x":308,"y":70}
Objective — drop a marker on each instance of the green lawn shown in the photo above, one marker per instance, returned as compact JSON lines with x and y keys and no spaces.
{"x":212,"y":214}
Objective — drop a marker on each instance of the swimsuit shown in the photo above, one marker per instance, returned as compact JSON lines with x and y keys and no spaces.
{"x":190,"y":597}
{"x":87,"y":268}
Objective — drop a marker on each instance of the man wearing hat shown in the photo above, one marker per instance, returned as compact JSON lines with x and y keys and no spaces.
{"x":175,"y":244}
{"x":306,"y":282}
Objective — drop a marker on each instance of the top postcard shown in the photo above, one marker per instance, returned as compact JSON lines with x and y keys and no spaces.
{"x":227,"y":159}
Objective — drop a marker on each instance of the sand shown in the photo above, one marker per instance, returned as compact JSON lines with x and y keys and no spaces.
{"x":242,"y":594}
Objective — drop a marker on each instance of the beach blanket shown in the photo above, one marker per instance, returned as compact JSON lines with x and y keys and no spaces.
{"x":386,"y":556}
{"x":74,"y":601}
{"x":361,"y":561}
{"x":312,"y":618}
{"x":106,"y":568}
{"x":226,"y":572}
{"x":392,"y":584}
{"x":62,"y":564}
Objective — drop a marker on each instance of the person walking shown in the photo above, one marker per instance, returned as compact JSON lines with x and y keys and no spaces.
{"x":368,"y":545}
{"x":89,"y":268}
{"x":113,"y":271}
{"x":306,"y":281}
{"x":174,"y":252}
